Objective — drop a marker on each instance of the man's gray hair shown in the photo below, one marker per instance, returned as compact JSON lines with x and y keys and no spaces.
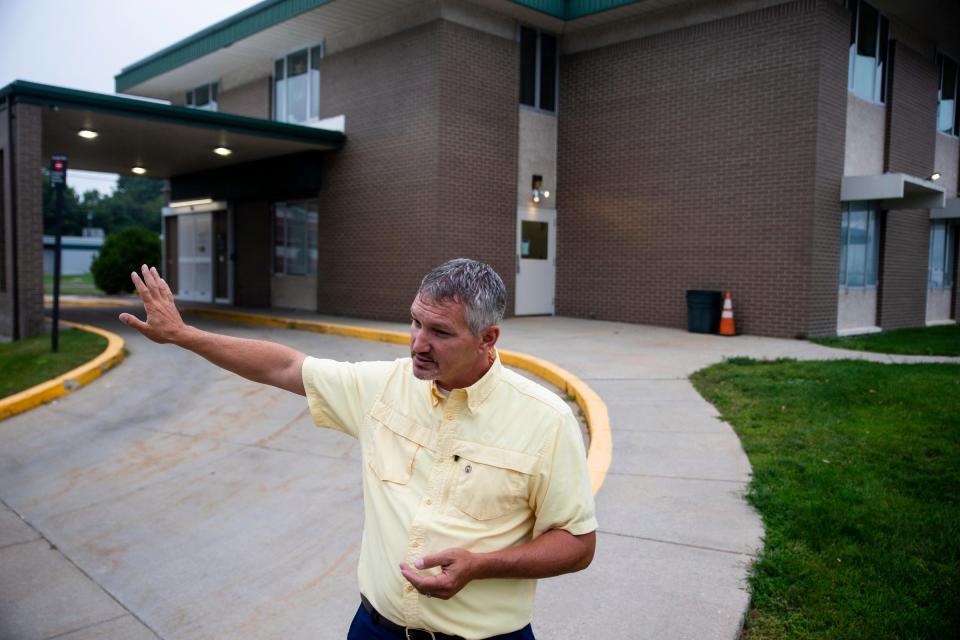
{"x":474,"y":284}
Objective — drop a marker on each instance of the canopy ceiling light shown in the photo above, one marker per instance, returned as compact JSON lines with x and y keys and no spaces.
{"x":138,"y":170}
{"x":934,"y":176}
{"x":191,"y":203}
{"x":222,"y":151}
{"x":88,"y":134}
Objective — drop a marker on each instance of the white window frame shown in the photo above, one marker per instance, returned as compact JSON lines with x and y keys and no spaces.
{"x":275,"y":102}
{"x":538,"y":69}
{"x":881,"y":68}
{"x":947,"y":259}
{"x":872,"y":251}
{"x":213,"y":90}
{"x":311,"y":269}
{"x":954,"y":130}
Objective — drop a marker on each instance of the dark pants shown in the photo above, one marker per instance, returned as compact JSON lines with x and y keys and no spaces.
{"x":364,"y":628}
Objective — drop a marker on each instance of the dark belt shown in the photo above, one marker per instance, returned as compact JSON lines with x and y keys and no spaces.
{"x":403,"y":632}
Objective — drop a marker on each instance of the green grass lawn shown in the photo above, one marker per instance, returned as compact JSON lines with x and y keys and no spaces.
{"x":27,"y":362}
{"x":73,"y":285}
{"x":857,"y":479}
{"x":925,"y":341}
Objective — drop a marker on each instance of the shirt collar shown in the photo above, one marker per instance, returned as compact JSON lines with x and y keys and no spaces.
{"x":479,"y":390}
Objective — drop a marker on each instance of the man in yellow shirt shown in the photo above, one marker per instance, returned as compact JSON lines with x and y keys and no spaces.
{"x":475,"y":480}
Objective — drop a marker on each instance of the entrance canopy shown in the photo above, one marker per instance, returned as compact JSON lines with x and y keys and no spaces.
{"x":893,"y":191}
{"x":162,"y":139}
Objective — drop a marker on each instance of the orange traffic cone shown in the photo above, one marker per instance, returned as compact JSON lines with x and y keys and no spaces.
{"x":726,"y":318}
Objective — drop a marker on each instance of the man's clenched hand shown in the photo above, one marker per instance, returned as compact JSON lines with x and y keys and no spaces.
{"x":164,"y":323}
{"x":456,"y":570}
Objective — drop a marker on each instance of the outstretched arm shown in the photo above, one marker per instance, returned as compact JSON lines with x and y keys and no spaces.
{"x":552,"y":554}
{"x":257,"y":360}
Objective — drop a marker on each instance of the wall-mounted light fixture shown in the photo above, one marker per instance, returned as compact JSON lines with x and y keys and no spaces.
{"x":88,"y":134}
{"x":539,"y":193}
{"x":222,"y":151}
{"x":934,"y":176}
{"x":138,"y":170}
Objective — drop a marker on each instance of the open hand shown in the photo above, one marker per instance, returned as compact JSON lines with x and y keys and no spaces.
{"x":457,"y":568}
{"x":163,"y":323}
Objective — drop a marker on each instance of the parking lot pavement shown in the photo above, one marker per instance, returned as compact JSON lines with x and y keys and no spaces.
{"x":171,"y":499}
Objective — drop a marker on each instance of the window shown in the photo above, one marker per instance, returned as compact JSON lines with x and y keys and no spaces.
{"x":869,"y":39}
{"x":538,"y":69}
{"x":296,"y":86}
{"x":942,"y":243}
{"x":203,"y":97}
{"x":295,"y":238}
{"x":948,"y":116}
{"x":859,"y":245}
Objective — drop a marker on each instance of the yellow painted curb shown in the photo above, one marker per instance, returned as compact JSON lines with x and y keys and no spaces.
{"x":594,"y":409}
{"x":69,"y":381}
{"x":93,"y":302}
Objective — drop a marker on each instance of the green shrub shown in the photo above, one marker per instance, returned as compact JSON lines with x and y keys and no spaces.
{"x":122,"y":253}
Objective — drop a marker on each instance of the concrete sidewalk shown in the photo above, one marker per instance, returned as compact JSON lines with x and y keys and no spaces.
{"x":173,"y":500}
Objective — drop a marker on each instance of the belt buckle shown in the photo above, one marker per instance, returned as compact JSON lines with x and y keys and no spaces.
{"x":407,"y":631}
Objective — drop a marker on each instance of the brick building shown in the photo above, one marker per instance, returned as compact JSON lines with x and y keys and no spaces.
{"x":605,"y":156}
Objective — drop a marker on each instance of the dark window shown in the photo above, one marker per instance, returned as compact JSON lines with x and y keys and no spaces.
{"x":548,"y":72}
{"x":528,"y":67}
{"x":533,"y":240}
{"x":538,"y":69}
{"x":948,"y":116}
{"x":203,"y":97}
{"x":867,"y":67}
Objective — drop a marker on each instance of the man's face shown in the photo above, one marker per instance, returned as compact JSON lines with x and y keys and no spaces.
{"x":442,"y":346}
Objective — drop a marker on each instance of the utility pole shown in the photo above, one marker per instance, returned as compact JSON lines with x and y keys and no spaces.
{"x":58,"y":178}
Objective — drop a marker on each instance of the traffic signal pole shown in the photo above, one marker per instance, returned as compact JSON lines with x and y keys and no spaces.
{"x":58,"y":178}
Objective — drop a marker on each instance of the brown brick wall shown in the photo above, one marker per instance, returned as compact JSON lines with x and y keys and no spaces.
{"x":251,"y":99}
{"x":428,"y":170}
{"x":27,"y":128}
{"x":911,"y":145}
{"x":820,"y":301}
{"x":690,"y":160}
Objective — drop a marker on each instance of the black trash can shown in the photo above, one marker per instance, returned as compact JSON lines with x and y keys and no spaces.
{"x":703,"y":310}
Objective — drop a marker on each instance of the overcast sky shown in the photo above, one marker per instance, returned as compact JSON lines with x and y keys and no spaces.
{"x":82,"y":44}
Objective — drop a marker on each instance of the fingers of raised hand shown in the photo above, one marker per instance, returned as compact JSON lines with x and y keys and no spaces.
{"x":133,"y":321}
{"x":140,"y":285}
{"x":161,"y":284}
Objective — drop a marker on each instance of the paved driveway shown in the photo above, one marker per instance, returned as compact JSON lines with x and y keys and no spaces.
{"x":170,"y":499}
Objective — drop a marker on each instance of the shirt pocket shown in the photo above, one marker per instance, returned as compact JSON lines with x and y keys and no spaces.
{"x":394,"y":442}
{"x":491,"y":481}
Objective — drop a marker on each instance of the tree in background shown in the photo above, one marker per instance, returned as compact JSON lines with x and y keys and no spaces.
{"x":123,"y":252}
{"x":136,"y":202}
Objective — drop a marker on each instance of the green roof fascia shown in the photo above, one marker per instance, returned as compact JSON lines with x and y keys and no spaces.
{"x":572,"y":9}
{"x":43,"y":94}
{"x":222,"y":34}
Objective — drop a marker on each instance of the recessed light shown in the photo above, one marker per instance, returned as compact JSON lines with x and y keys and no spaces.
{"x":87,"y":134}
{"x":139,"y":170}
{"x":222,"y":151}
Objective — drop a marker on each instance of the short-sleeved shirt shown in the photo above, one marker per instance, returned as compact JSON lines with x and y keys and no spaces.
{"x":486,"y":468}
